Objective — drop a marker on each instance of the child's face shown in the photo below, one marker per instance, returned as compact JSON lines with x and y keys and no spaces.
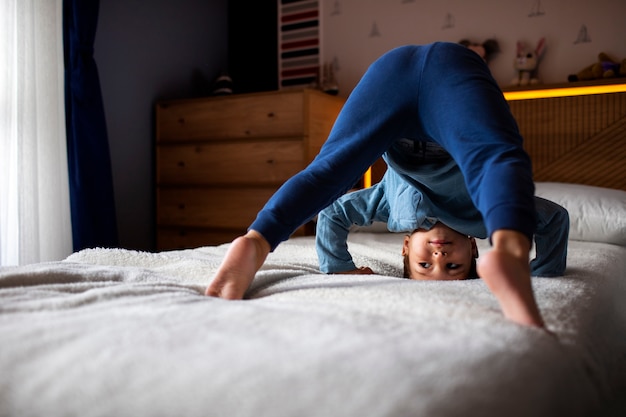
{"x":440,"y":253}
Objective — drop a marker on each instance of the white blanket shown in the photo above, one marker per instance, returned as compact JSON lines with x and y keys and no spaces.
{"x":111,"y":332}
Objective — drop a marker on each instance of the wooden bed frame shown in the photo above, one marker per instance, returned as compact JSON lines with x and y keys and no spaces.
{"x":570,"y":138}
{"x":575,"y":138}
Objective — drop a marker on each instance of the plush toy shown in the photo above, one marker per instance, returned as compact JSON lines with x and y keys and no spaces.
{"x":526,"y":63}
{"x":487,"y":50}
{"x":604,"y":68}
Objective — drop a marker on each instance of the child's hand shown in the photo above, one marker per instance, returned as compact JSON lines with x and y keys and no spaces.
{"x":364,"y":270}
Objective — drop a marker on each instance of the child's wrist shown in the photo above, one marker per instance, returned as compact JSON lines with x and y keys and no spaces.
{"x":261,"y":245}
{"x":512,"y":242}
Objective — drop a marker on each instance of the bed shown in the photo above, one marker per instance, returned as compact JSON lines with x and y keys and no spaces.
{"x":114,"y":332}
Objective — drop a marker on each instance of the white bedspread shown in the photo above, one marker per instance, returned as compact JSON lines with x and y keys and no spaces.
{"x":124,"y":333}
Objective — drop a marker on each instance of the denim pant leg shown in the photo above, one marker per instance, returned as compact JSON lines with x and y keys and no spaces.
{"x":551,"y":238}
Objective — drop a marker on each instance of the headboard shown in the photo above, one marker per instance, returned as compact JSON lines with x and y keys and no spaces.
{"x":574,"y":133}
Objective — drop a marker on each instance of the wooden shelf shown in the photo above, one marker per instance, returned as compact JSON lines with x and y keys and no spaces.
{"x":608,"y":81}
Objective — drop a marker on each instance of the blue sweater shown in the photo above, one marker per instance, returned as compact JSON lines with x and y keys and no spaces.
{"x":439,"y":93}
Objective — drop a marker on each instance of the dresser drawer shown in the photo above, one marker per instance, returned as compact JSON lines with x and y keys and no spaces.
{"x":222,"y":208}
{"x":224,"y":163}
{"x":246,"y":116}
{"x":190,"y":237}
{"x":180,"y":237}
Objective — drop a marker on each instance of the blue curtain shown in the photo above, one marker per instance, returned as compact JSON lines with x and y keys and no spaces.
{"x":89,"y":162}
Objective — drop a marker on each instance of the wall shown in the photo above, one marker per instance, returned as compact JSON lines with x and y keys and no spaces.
{"x":355,"y":32}
{"x":147,"y":51}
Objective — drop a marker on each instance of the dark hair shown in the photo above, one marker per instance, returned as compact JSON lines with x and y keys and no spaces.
{"x":472,"y":273}
{"x":407,"y":270}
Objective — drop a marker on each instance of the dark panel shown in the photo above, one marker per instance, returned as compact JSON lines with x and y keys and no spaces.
{"x":253,"y":45}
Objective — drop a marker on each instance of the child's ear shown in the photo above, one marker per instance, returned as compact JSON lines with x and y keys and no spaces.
{"x":474,"y":247}
{"x":405,"y":246}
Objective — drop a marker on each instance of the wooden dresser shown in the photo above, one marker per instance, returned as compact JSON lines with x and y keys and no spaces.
{"x":219,"y":159}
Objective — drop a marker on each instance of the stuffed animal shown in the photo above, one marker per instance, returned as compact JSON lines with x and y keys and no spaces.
{"x":487,"y":50}
{"x":526,"y":63}
{"x":604,"y":68}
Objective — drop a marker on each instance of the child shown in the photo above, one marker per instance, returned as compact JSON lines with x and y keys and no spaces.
{"x":441,"y":95}
{"x":412,"y":207}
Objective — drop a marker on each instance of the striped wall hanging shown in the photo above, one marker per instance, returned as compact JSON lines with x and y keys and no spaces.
{"x":298,"y":43}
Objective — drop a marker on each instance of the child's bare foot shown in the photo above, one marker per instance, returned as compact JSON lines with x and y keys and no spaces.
{"x":243,"y":259}
{"x":506,"y":272}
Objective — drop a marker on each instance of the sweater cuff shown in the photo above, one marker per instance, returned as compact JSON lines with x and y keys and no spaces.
{"x":504,"y":217}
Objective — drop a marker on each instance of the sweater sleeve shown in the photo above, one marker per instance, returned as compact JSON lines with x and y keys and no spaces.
{"x":442,"y":92}
{"x":359,"y":208}
{"x":375,"y":114}
{"x":465,"y":111}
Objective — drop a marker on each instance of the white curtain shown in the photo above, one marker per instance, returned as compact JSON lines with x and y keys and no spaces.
{"x":35,"y":220}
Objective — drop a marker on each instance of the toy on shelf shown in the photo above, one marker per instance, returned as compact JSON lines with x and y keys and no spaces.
{"x":328,"y":82}
{"x":526,"y":63}
{"x":487,"y":50}
{"x":605,"y":67}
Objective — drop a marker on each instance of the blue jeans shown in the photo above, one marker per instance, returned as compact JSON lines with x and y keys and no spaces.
{"x":550,"y":239}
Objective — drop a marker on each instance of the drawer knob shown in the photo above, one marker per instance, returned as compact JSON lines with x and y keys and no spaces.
{"x":181,"y":206}
{"x":181,"y":164}
{"x":270,"y":114}
{"x":270,"y":161}
{"x":181,"y":120}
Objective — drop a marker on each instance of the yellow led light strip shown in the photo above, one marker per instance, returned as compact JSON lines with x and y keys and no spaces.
{"x":367,"y":178}
{"x":565,"y":91}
